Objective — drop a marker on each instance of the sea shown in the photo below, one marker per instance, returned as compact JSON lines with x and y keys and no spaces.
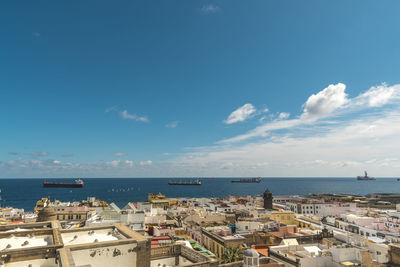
{"x":23,"y":193}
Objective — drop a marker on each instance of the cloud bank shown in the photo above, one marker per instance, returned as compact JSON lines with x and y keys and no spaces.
{"x":334,"y":135}
{"x":22,"y":167}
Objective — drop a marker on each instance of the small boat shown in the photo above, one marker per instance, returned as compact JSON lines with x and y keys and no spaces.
{"x":78,"y":184}
{"x":247,"y":180}
{"x":185,"y":182}
{"x":365,"y":177}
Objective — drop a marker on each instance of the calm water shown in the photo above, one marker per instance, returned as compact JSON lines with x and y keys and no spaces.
{"x":23,"y":193}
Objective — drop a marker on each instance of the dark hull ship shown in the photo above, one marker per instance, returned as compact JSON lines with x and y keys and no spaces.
{"x":365,"y":177}
{"x":195,"y":182}
{"x":247,"y":180}
{"x":78,"y":184}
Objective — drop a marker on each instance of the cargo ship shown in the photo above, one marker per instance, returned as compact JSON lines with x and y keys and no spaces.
{"x":247,"y":180}
{"x":195,"y":182}
{"x":365,"y":177}
{"x":78,"y":184}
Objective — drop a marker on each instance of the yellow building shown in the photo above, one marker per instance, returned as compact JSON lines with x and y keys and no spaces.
{"x":160,"y":201}
{"x":284,"y":217}
{"x":308,"y":223}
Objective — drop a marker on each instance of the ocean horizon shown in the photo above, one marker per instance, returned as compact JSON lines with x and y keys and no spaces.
{"x":24,"y":192}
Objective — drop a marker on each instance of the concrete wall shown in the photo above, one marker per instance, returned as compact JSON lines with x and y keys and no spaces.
{"x":133,"y":218}
{"x":346,"y":254}
{"x":247,"y":226}
{"x":318,"y":262}
{"x":379,"y":252}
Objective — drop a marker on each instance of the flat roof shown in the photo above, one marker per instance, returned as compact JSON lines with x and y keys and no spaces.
{"x":90,"y":236}
{"x":28,"y":241}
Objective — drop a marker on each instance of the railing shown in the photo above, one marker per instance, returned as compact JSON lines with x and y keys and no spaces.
{"x":165,"y":252}
{"x":286,"y":258}
{"x":197,"y":259}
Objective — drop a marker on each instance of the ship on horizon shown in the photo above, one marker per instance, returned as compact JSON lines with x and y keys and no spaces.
{"x":185,"y":182}
{"x":365,"y":177}
{"x":247,"y":180}
{"x":78,"y":184}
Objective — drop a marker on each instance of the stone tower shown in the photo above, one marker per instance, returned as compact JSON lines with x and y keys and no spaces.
{"x":267,"y":200}
{"x":46,"y":214}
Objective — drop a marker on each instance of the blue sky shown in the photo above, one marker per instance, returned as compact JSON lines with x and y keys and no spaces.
{"x":199,"y":88}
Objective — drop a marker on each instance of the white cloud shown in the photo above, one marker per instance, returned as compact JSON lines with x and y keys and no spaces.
{"x":210,"y":9}
{"x":283,"y":115}
{"x":114,"y":163}
{"x":334,"y":136}
{"x":378,"y":95}
{"x":127,"y":116}
{"x":360,"y":134}
{"x":119,"y":154}
{"x":262,"y":118}
{"x":146,"y":163}
{"x":263,"y":130}
{"x":109,"y":109}
{"x":129,"y":163}
{"x":325,"y":102}
{"x":55,"y":168}
{"x":241,"y":114}
{"x":330,"y":102}
{"x":342,"y":149}
{"x":173,"y":124}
